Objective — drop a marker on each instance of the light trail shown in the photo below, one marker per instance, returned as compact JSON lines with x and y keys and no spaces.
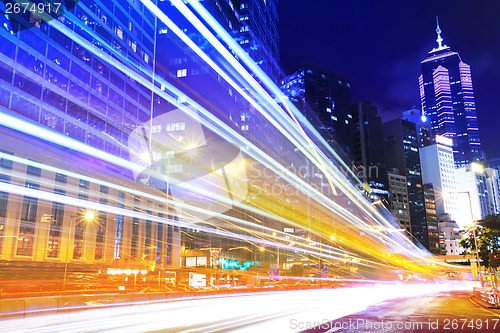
{"x":354,"y":226}
{"x":261,"y":236}
{"x":258,"y":312}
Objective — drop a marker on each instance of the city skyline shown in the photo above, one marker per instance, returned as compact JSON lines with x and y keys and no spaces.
{"x":380,"y":47}
{"x":154,"y":167}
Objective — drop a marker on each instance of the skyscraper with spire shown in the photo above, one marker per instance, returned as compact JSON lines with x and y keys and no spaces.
{"x":447,"y":98}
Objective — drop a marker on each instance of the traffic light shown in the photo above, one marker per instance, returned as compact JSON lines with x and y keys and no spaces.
{"x":494,"y":260}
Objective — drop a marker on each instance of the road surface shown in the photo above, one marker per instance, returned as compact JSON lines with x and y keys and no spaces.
{"x":449,"y":311}
{"x":276,"y":311}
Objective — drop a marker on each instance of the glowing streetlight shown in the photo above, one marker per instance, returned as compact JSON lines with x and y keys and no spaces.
{"x":89,"y":215}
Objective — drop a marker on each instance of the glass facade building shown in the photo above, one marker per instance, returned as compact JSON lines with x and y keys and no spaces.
{"x":447,"y":98}
{"x":369,"y":142}
{"x":77,"y":77}
{"x":124,"y":126}
{"x":402,"y":152}
{"x":324,"y":97}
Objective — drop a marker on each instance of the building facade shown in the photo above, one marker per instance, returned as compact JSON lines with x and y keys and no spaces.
{"x":425,"y":138}
{"x":432,"y":220}
{"x":324,"y":97}
{"x":369,"y":142}
{"x":398,"y":197}
{"x":447,"y":97}
{"x":402,"y":152}
{"x":451,"y":236}
{"x":75,"y":84}
{"x":438,"y":169}
{"x":493,"y":183}
{"x":259,"y":33}
{"x":474,"y":194}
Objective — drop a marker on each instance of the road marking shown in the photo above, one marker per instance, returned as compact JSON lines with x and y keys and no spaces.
{"x":482,"y":308}
{"x":335,"y":329}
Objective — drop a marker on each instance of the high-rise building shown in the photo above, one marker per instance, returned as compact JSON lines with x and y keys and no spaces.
{"x":447,"y":97}
{"x":493,"y":183}
{"x":259,"y":34}
{"x":401,"y":142}
{"x":324,"y":97}
{"x":76,"y":84}
{"x":425,"y":137}
{"x":254,"y":26}
{"x":438,"y":169}
{"x":369,"y":142}
{"x":474,"y":194}
{"x":398,"y":198}
{"x":252,"y":23}
{"x":432,"y":220}
{"x":494,"y":163}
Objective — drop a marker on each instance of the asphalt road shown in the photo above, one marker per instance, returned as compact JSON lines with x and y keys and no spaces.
{"x":453,"y":311}
{"x":266,"y":312}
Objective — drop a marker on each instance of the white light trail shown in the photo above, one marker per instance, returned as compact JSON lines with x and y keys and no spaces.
{"x":259,"y":312}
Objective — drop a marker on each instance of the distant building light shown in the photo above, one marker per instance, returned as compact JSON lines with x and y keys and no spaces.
{"x":444,"y":140}
{"x":424,"y":119}
{"x":477,"y":168}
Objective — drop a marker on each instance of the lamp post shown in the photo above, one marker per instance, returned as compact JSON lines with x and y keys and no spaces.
{"x":277,"y":257}
{"x":89,"y":216}
{"x":475,"y":238}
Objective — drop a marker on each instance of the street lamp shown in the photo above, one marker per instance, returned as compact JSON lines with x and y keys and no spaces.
{"x":88,"y":216}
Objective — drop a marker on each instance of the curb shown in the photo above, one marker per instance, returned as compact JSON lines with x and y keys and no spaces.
{"x":481,"y":303}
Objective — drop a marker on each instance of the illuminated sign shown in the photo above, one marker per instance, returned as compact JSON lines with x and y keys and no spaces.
{"x":235,"y":264}
{"x":476,"y":168}
{"x":444,"y":140}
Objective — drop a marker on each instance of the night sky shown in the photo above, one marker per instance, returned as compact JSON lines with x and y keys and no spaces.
{"x":379,"y":45}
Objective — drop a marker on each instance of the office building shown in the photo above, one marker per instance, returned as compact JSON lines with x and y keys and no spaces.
{"x":432,"y":220}
{"x":474,"y":194}
{"x":401,"y":142}
{"x":78,"y":79}
{"x":369,"y":142}
{"x":494,"y":163}
{"x":259,"y":34}
{"x":324,"y":97}
{"x":398,"y":199}
{"x":424,"y":135}
{"x":493,"y":183}
{"x":447,"y":97}
{"x":438,"y":169}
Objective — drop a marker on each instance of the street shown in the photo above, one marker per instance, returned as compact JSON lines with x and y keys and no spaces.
{"x":449,"y":311}
{"x":273,"y":311}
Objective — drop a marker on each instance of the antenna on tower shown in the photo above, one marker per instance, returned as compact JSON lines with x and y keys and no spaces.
{"x":439,"y":40}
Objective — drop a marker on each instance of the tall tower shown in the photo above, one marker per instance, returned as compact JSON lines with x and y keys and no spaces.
{"x":324,"y":97}
{"x":447,"y":98}
{"x":402,"y":152}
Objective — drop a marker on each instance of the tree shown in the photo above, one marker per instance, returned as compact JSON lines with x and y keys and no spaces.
{"x":488,"y":237}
